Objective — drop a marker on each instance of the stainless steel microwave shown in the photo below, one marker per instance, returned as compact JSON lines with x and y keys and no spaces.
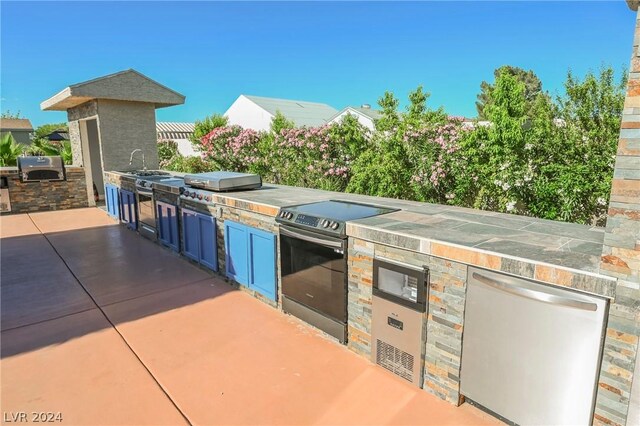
{"x":403,"y":284}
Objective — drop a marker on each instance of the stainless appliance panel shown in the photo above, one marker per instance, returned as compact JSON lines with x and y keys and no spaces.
{"x":330,"y":326}
{"x":223,"y":181}
{"x":531,"y":352}
{"x":397,"y":334}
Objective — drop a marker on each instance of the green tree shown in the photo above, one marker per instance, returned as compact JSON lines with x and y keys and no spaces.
{"x":352,"y":136}
{"x":279,"y":122}
{"x":497,"y":158}
{"x":417,"y":104}
{"x":574,"y":156}
{"x":533,"y":87}
{"x":9,"y":114}
{"x":205,"y":126}
{"x":390,"y":119}
{"x":41,"y":131}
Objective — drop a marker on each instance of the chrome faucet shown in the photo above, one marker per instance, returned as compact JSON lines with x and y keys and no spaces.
{"x":131,"y":158}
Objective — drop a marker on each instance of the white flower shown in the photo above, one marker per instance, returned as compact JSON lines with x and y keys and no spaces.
{"x":601,"y":201}
{"x":506,"y":186}
{"x":511,"y":205}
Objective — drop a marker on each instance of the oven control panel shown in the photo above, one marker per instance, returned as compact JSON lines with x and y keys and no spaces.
{"x":307,"y":220}
{"x":286,"y":216}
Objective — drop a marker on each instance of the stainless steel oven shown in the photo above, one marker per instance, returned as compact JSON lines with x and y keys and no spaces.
{"x":313,"y":255}
{"x":314,"y":280}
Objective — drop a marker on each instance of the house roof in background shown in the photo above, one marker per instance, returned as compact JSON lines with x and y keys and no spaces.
{"x":373,"y":114}
{"x":15,"y":124}
{"x":174,"y":130}
{"x":302,"y":113}
{"x":128,"y":85}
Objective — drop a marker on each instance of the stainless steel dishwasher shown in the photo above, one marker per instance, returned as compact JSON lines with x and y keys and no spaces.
{"x":531,"y":352}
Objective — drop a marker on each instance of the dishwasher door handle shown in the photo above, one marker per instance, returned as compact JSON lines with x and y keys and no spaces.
{"x":536,"y":295}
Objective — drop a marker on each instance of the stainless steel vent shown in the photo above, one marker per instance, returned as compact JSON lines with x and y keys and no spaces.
{"x":40,"y":169}
{"x":398,"y":338}
{"x":395,"y":360}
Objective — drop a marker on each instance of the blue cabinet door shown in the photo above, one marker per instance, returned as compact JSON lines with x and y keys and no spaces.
{"x":125,"y":213}
{"x":112,"y":200}
{"x":167,"y":221}
{"x":236,"y":251}
{"x":262,"y":262}
{"x":199,"y":238}
{"x":208,"y":252}
{"x":190,"y":234}
{"x":128,"y":209}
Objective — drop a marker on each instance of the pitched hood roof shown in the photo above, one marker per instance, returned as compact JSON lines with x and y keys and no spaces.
{"x":128,"y":85}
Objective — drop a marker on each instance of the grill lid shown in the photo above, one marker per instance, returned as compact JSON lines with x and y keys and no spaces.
{"x":224,"y":181}
{"x":36,"y":168}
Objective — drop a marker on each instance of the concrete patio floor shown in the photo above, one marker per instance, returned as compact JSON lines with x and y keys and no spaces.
{"x":106,"y":327}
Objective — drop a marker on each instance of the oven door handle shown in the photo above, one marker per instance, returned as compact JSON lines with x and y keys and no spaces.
{"x":312,"y":238}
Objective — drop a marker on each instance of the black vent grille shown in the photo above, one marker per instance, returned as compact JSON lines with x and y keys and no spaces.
{"x":395,"y":360}
{"x":42,"y":174}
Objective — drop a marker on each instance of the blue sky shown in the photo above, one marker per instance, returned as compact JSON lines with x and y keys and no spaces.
{"x":338,"y":53}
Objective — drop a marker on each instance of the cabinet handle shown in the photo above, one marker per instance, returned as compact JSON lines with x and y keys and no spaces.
{"x":539,"y":296}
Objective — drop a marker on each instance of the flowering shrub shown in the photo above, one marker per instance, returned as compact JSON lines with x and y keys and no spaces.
{"x":432,"y":151}
{"x":523,"y":162}
{"x":310,"y":157}
{"x":231,"y":148}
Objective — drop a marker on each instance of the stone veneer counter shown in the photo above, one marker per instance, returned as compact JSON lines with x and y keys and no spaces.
{"x":471,"y":236}
{"x":546,"y":250}
{"x":422,"y":227}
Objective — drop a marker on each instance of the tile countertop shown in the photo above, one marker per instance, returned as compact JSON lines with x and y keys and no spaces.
{"x":427,"y":227}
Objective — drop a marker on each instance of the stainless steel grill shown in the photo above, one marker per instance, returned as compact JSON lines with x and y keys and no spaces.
{"x":41,"y":169}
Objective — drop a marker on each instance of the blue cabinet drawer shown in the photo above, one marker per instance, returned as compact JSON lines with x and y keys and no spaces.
{"x":250,"y":255}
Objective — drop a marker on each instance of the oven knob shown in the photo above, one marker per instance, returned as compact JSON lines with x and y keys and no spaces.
{"x":207,"y":198}
{"x":334,"y":225}
{"x":193,"y":195}
{"x":185,"y":193}
{"x":325,"y":223}
{"x":199,"y":196}
{"x":282,"y":214}
{"x":181,"y":190}
{"x":289,"y":215}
